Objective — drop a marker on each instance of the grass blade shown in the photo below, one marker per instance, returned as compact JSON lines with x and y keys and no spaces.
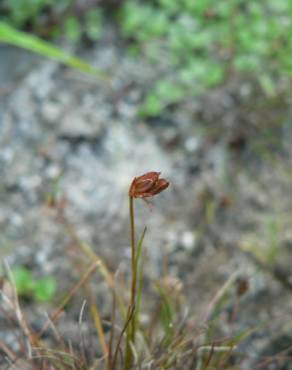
{"x":36,"y":45}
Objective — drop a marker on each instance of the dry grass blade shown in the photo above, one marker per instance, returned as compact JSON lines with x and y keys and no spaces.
{"x":97,"y":321}
{"x":9,"y":353}
{"x":82,"y":341}
{"x":68,"y":297}
{"x":89,"y":252}
{"x":32,"y":338}
{"x":57,"y":335}
{"x":220,"y":294}
{"x":59,"y":359}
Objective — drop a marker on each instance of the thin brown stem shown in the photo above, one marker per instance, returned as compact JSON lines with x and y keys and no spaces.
{"x":134,"y":265}
{"x":131,"y":331}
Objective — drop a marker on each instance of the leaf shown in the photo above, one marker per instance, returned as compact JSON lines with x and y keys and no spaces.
{"x":134,"y":17}
{"x":169,"y":6}
{"x":152,"y":106}
{"x":215,"y":75}
{"x":23,"y":280}
{"x":135,"y":21}
{"x":198,"y":7}
{"x":169,"y":92}
{"x":165,"y":93}
{"x":22,"y":11}
{"x":32,"y":43}
{"x":45,"y":289}
{"x":72,"y":29}
{"x":247,"y":62}
{"x":93,"y":24}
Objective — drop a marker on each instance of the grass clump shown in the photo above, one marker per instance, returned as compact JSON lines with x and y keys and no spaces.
{"x":167,"y":340}
{"x":169,"y":337}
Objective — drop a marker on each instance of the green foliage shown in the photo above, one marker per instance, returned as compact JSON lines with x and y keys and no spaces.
{"x":72,"y":29}
{"x":204,"y":41}
{"x":23,"y":280}
{"x":45,"y":289}
{"x":163,"y":94}
{"x":93,"y":24}
{"x":197,"y":44}
{"x":21,"y":11}
{"x":90,"y":26}
{"x":32,"y":43}
{"x":59,"y":14}
{"x":42,"y":290}
{"x":136,"y":21}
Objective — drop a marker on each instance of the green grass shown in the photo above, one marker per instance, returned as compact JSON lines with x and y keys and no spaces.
{"x":198,"y":45}
{"x":11,"y":36}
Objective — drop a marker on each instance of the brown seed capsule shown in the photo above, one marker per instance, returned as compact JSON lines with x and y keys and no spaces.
{"x":147,"y":185}
{"x":242,"y":286}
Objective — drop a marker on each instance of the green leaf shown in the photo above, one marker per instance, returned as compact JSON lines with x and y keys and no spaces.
{"x":72,"y":29}
{"x":169,"y":92}
{"x":32,"y":43}
{"x":22,"y":11}
{"x":215,"y":75}
{"x":159,"y":24}
{"x":151,"y":107}
{"x":247,"y":62}
{"x":198,"y":7}
{"x":134,"y":17}
{"x":197,"y":69}
{"x":23,"y":280}
{"x":169,"y":6}
{"x":135,"y":21}
{"x":45,"y":289}
{"x":94,"y":24}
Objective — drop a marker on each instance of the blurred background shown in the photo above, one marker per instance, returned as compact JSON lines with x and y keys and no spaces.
{"x":200,"y":90}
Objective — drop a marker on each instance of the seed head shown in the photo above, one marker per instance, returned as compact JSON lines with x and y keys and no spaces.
{"x":147,"y":185}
